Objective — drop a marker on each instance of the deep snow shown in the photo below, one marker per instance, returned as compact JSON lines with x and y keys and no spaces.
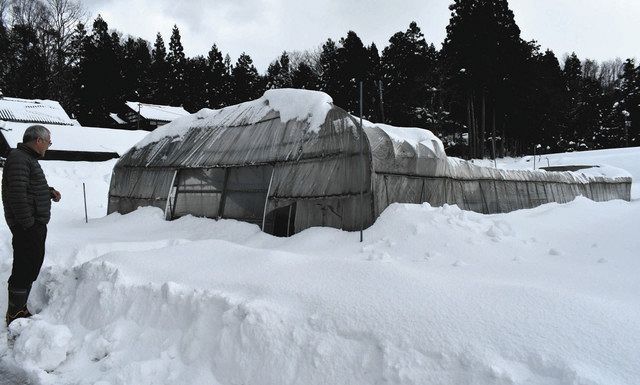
{"x":432,"y":296}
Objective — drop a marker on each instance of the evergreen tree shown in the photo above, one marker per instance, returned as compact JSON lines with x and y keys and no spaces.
{"x":584,"y":111}
{"x":71,"y":100}
{"x":549,"y":101}
{"x":279,"y":73}
{"x":26,"y":66}
{"x":99,"y":76}
{"x":353,"y":66}
{"x":330,"y":70}
{"x":246,"y":80}
{"x":177,"y":69}
{"x":196,"y":82}
{"x":372,"y":107}
{"x":303,"y":76}
{"x":217,"y":80}
{"x":573,"y":74}
{"x":622,"y":125}
{"x":409,"y":78}
{"x":4,"y":54}
{"x":160,"y":92}
{"x":136,"y":67}
{"x":483,"y":63}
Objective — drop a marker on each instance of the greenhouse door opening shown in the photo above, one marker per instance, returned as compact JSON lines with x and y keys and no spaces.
{"x":282,"y":221}
{"x":233,"y":192}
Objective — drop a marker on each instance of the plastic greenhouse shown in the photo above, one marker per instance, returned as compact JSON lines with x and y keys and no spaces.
{"x":292,"y":160}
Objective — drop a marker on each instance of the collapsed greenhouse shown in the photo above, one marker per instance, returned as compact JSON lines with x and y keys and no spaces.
{"x":292,"y":160}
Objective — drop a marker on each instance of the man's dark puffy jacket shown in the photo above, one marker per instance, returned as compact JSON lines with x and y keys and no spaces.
{"x":25,"y":192}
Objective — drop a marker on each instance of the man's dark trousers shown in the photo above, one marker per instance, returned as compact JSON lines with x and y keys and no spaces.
{"x":28,"y":255}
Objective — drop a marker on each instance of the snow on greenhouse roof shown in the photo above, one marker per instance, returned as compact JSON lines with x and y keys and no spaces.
{"x":417,"y":138}
{"x":291,"y":104}
{"x":157,"y":112}
{"x":77,"y":138}
{"x":33,"y":111}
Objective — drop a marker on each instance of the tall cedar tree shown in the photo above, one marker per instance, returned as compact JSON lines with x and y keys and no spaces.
{"x":160,"y":91}
{"x":177,"y":69}
{"x":196,"y":83}
{"x":71,"y":101}
{"x":408,"y":73}
{"x":353,"y":67}
{"x":26,"y":65}
{"x":136,"y":67}
{"x":279,"y":73}
{"x":4,"y":55}
{"x":548,"y":100}
{"x":330,"y":70}
{"x":100,"y":83}
{"x":483,"y":60}
{"x":622,"y":124}
{"x":246,"y":80}
{"x":584,"y":107}
{"x":303,"y":76}
{"x":218,"y":79}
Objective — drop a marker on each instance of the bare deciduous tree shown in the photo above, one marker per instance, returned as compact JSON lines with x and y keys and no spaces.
{"x":590,"y":69}
{"x":610,"y":71}
{"x":64,"y":16}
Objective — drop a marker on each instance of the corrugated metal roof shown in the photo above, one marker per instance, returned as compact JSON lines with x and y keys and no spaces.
{"x":33,"y":111}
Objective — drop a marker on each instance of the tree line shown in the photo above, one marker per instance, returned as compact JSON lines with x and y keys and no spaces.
{"x":486,"y":92}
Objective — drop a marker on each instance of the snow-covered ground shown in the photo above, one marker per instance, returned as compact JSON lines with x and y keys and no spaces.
{"x":434,"y":295}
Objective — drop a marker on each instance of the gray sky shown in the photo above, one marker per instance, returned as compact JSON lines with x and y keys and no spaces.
{"x":596,"y":29}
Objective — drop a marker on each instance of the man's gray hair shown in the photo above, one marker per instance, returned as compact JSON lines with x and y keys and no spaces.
{"x":34,"y":132}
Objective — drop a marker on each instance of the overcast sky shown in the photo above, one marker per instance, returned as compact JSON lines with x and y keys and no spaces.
{"x":596,"y":29}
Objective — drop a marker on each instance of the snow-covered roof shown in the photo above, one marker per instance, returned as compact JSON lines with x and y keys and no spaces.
{"x":157,"y":112}
{"x":77,"y":138}
{"x":116,"y":118}
{"x":33,"y":111}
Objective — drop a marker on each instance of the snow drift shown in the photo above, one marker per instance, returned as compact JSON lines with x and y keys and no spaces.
{"x":432,"y":296}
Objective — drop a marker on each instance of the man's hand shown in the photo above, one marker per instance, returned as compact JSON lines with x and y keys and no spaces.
{"x":55,"y":195}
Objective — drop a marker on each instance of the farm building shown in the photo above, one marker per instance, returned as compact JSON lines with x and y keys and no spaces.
{"x":145,"y":116}
{"x":70,"y":140}
{"x":292,"y":160}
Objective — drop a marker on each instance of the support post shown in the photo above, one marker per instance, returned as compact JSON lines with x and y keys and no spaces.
{"x":363,"y":174}
{"x":84,"y":193}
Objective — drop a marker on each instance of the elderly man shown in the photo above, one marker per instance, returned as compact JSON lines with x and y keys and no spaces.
{"x":26,"y":197}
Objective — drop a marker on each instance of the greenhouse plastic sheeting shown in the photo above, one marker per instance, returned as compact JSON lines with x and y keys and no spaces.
{"x":244,"y":162}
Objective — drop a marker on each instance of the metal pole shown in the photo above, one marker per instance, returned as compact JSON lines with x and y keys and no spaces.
{"x":266,"y":199}
{"x":534,"y":157}
{"x":84,"y":193}
{"x":362,"y":159}
{"x":381,"y":103}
